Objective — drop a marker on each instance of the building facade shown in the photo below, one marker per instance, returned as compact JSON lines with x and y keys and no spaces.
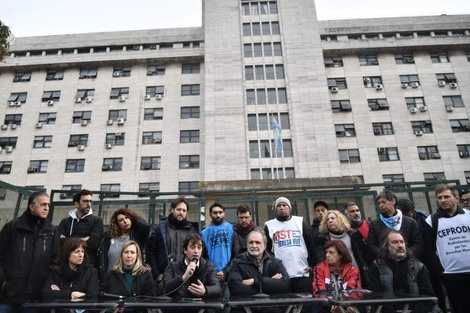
{"x":262,"y":91}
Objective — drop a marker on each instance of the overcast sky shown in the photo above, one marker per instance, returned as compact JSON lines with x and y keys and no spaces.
{"x":50,"y":17}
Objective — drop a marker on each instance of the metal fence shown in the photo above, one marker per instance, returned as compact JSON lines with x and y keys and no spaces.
{"x":13,"y":201}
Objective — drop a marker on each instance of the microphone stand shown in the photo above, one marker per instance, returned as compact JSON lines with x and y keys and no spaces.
{"x":260,"y":295}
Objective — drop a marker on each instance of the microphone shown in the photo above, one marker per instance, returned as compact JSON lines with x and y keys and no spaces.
{"x":110,"y":295}
{"x":194,"y":260}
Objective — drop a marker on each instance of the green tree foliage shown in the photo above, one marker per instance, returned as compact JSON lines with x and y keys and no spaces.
{"x":4,"y":44}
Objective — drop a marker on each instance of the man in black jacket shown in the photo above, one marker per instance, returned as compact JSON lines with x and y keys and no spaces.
{"x":28,"y":247}
{"x":83,"y":224}
{"x":165,"y":244}
{"x":192,"y":276}
{"x":244,"y":226}
{"x":257,"y":271}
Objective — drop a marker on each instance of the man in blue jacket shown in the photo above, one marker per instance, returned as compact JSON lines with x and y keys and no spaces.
{"x":28,"y":247}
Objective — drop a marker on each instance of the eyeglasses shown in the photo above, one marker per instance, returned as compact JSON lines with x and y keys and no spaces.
{"x":465,"y":200}
{"x":87,"y":201}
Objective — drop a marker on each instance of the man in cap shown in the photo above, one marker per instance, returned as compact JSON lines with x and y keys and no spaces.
{"x":289,"y":239}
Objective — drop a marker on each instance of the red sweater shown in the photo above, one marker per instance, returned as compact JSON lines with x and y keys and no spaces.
{"x":350,"y":278}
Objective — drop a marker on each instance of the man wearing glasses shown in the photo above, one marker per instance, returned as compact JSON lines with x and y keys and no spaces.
{"x":465,"y":199}
{"x":83,"y":224}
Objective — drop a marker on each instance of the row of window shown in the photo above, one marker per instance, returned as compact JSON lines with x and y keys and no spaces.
{"x":400,"y":58}
{"x":391,"y":153}
{"x":112,"y":139}
{"x":412,"y":104}
{"x":418,"y":127}
{"x":411,"y":80}
{"x":401,"y":35}
{"x":259,"y":8}
{"x":104,"y":49}
{"x":118,"y":71}
{"x":87,"y":95}
{"x":261,"y":28}
{"x":264,"y":72}
{"x":84,"y":117}
{"x":262,"y":49}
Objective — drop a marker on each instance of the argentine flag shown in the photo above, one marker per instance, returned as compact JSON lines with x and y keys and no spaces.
{"x":277,"y":134}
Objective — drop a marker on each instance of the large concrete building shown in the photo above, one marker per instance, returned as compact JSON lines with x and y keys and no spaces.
{"x":366,"y":100}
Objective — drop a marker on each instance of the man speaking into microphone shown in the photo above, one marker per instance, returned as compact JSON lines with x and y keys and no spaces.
{"x":191,"y":276}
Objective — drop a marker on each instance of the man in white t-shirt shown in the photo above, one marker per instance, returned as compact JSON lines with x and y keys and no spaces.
{"x":447,"y":234}
{"x":290,"y":240}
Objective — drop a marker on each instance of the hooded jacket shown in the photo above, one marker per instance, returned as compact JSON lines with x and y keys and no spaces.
{"x":174,"y":286}
{"x":89,"y":225}
{"x":322,"y":283}
{"x":25,"y":258}
{"x":243,"y":267}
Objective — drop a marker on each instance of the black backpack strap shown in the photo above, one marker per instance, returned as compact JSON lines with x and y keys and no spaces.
{"x":435,"y":223}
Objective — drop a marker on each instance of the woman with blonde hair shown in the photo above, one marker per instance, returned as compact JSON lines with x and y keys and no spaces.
{"x":335,"y":226}
{"x":129,"y":277}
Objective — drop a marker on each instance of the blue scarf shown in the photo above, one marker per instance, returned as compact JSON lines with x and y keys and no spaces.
{"x":393,"y":222}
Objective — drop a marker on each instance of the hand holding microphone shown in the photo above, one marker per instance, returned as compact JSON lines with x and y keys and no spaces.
{"x":190,"y":269}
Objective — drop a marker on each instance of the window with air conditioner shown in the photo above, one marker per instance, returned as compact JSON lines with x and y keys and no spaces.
{"x":367,"y":60}
{"x":122,"y":71}
{"x":339,"y":83}
{"x":153,"y":70}
{"x":378,"y":104}
{"x":115,"y":139}
{"x":149,"y":187}
{"x":17,"y":97}
{"x":55,"y":75}
{"x":5,"y":167}
{"x":113,"y":190}
{"x":439,"y":57}
{"x":464,"y":150}
{"x":380,"y":129}
{"x":22,"y":77}
{"x":39,"y":166}
{"x":460,"y":125}
{"x":422,"y":126}
{"x":85,"y":95}
{"x":114,"y":115}
{"x":8,"y":142}
{"x":388,"y":154}
{"x":453,"y":101}
{"x":112,"y":164}
{"x":410,"y":80}
{"x":345,"y":130}
{"x":336,"y":61}
{"x":11,"y":119}
{"x":414,"y":102}
{"x":404,"y":58}
{"x":372,"y":82}
{"x":150,"y":163}
{"x":446,"y":78}
{"x":79,"y":116}
{"x":152,"y":137}
{"x":78,"y":140}
{"x":428,"y":152}
{"x":154,"y":91}
{"x":88,"y":73}
{"x":119,"y":93}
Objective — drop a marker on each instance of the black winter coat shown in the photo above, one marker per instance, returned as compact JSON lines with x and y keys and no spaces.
{"x":139,"y":233}
{"x":90,"y":225}
{"x":243,"y":267}
{"x":25,"y":260}
{"x":86,"y":282}
{"x":205,"y":272}
{"x":409,"y":229}
{"x":142,"y":284}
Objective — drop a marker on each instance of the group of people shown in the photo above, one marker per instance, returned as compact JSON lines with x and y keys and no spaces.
{"x":340,"y":251}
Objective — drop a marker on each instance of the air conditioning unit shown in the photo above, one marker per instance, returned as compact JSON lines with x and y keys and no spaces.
{"x":146,"y":166}
{"x":11,"y":104}
{"x":408,"y":60}
{"x":334,"y":89}
{"x":453,"y":85}
{"x":377,"y":131}
{"x":109,"y":122}
{"x":50,"y":77}
{"x":375,"y":62}
{"x":39,"y":125}
{"x":423,"y":109}
{"x":374,"y":107}
{"x":404,"y":85}
{"x":13,"y":126}
{"x":441,"y":83}
{"x":116,"y":74}
{"x":88,"y":99}
{"x":9,"y":149}
{"x":150,"y":73}
{"x":122,"y":99}
{"x":367,"y":80}
{"x":72,"y":144}
{"x":120,"y":121}
{"x":379,"y":87}
{"x":413,"y":110}
{"x":4,"y":127}
{"x":449,"y":108}
{"x":78,"y":100}
{"x":109,"y":146}
{"x":16,"y":79}
{"x":436,"y":155}
{"x":106,"y":167}
{"x":81,"y":147}
{"x":84,"y":123}
{"x":18,"y":103}
{"x":415,"y":84}
{"x":159,"y":96}
{"x":50,"y":103}
{"x":418,"y":133}
{"x":32,"y":169}
{"x":147,"y":97}
{"x":463,"y":154}
{"x":157,"y":140}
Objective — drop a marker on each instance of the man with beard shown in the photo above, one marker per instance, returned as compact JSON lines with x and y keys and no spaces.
{"x":83,"y":224}
{"x":320,"y":208}
{"x":289,"y":238}
{"x":352,"y":212}
{"x":256,"y":271}
{"x":165,"y":243}
{"x":244,"y":226}
{"x":391,"y":218}
{"x":447,"y":233}
{"x":465,"y":199}
{"x":396,"y":271}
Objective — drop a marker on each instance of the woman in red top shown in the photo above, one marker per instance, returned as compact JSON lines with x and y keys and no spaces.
{"x":335,"y":274}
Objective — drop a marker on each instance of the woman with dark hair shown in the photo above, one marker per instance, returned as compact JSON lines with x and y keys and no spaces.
{"x":335,"y":226}
{"x":129,"y":277}
{"x":71,"y":277}
{"x":125,"y":225}
{"x":335,"y":274}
